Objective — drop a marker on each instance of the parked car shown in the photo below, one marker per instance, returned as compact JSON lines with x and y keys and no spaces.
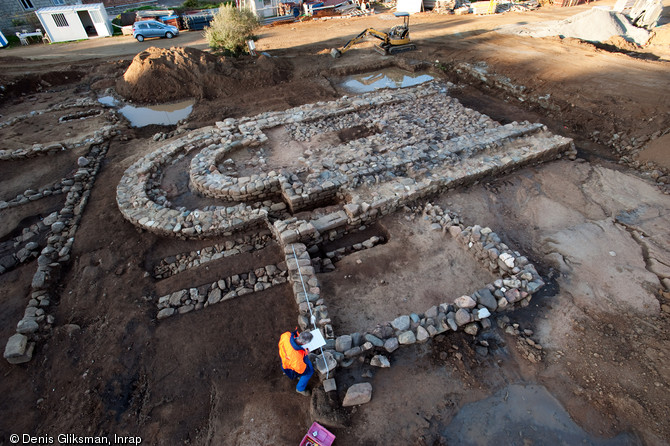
{"x":153,"y":28}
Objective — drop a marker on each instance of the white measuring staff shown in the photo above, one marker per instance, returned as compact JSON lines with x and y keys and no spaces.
{"x":311,"y":315}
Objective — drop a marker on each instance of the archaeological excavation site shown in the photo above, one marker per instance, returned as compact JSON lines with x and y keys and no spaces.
{"x":478,"y":230}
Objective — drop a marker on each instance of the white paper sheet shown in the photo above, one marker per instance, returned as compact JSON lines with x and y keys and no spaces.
{"x":316,"y":342}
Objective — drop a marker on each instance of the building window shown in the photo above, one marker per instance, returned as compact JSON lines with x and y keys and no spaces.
{"x":27,"y":4}
{"x":60,"y":20}
{"x":58,"y":2}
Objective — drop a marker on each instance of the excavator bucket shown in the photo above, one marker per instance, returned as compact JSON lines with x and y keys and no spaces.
{"x":335,"y":53}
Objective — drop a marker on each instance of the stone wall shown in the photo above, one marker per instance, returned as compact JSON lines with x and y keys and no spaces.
{"x":15,"y":18}
{"x":460,"y":146}
{"x":187,"y":300}
{"x":517,"y":281}
{"x":36,"y":322}
{"x":425,"y":144}
{"x":60,"y":227}
{"x":175,"y":264}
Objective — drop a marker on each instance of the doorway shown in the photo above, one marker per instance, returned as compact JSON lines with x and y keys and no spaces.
{"x":86,"y":20}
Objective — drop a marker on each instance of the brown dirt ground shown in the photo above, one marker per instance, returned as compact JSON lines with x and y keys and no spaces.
{"x":211,"y":377}
{"x":445,"y":273}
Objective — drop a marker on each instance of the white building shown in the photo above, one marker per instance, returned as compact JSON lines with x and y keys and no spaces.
{"x":262,"y":8}
{"x":75,"y":22}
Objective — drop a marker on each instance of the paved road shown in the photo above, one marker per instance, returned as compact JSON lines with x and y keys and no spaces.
{"x":117,"y":47}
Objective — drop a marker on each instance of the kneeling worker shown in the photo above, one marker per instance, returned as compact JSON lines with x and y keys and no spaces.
{"x":294,"y":360}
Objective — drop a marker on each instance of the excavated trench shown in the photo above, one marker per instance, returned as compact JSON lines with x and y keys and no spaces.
{"x":398,"y":253}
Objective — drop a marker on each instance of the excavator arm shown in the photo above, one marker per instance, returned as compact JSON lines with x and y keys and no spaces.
{"x":368,"y":32}
{"x":393,"y":42}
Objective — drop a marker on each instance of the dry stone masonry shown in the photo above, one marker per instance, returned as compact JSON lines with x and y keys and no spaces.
{"x":102,"y":134}
{"x":406,"y":145}
{"x":36,"y":322}
{"x":60,"y":226}
{"x":518,"y":280}
{"x":175,"y":264}
{"x":187,"y":300}
{"x":392,"y":148}
{"x":425,"y":142}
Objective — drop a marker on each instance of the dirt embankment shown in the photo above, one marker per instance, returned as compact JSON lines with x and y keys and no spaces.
{"x":164,"y":75}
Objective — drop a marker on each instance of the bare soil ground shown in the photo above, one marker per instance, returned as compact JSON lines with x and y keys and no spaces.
{"x":594,"y":228}
{"x":433,"y":269}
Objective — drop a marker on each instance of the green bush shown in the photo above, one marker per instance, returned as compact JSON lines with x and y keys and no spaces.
{"x":13,"y":41}
{"x":143,"y":8}
{"x":230,"y":29}
{"x":201,"y":4}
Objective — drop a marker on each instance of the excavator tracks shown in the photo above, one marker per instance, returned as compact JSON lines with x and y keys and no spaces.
{"x":394,"y":49}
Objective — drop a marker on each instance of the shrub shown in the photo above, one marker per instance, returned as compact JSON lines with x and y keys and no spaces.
{"x":141,"y":8}
{"x":230,"y":29}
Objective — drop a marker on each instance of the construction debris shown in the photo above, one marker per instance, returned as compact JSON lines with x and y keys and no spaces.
{"x":645,"y":13}
{"x":595,"y":25}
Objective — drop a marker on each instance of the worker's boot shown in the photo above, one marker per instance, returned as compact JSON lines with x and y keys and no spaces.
{"x":305,"y":392}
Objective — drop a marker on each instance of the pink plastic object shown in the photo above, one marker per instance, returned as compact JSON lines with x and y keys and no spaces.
{"x":317,"y":436}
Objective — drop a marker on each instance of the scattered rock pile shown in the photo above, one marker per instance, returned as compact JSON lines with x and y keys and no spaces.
{"x":531,"y":349}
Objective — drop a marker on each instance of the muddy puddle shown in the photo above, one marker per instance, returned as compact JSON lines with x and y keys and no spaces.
{"x":521,"y":415}
{"x":160,"y":114}
{"x":386,"y":78}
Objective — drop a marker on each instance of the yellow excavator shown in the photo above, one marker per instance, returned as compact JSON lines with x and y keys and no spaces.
{"x":393,"y":42}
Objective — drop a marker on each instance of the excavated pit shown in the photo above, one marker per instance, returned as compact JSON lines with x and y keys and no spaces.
{"x":415,"y":269}
{"x":343,"y":188}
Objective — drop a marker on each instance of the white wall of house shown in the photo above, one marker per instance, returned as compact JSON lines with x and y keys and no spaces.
{"x":67,"y":23}
{"x":262,"y":8}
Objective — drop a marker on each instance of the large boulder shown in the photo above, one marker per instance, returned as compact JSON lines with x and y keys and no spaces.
{"x":358,"y":394}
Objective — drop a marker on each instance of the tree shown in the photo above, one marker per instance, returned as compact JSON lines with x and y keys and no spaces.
{"x":231,"y":28}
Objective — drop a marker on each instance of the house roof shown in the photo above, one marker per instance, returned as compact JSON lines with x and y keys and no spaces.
{"x":72,"y":8}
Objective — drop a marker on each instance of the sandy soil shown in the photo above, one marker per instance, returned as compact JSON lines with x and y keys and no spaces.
{"x":597,"y":230}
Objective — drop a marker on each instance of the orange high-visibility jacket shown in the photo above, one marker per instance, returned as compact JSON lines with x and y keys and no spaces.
{"x":291,"y":358}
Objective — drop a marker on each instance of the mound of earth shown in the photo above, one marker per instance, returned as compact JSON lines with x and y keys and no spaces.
{"x":661,"y":35}
{"x":594,"y":25}
{"x":164,"y":75}
{"x":622,"y":43}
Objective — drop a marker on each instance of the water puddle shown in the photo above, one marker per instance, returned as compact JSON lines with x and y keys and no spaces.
{"x":386,"y":78}
{"x":161,"y":114}
{"x":521,"y":414}
{"x":108,"y":101}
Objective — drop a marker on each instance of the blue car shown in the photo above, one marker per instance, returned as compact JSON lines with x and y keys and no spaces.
{"x":152,"y":28}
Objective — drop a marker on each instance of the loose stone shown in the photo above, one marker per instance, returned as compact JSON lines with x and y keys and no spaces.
{"x":380,"y":361}
{"x":358,"y":394}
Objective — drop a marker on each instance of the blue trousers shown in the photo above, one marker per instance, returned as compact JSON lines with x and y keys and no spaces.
{"x":304,"y":377}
